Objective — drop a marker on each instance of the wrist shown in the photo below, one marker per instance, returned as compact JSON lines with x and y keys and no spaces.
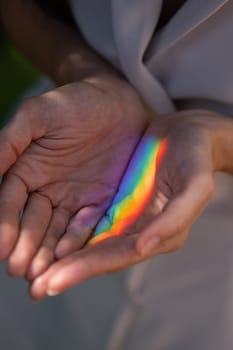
{"x":219,"y":131}
{"x":223,"y":144}
{"x":80,"y":62}
{"x":218,"y":134}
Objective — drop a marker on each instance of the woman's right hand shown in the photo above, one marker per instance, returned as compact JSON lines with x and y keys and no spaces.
{"x":183,"y":187}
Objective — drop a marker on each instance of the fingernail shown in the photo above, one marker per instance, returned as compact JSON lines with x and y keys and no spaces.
{"x":51,"y":293}
{"x":150,"y":246}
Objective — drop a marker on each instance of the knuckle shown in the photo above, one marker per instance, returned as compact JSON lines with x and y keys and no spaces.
{"x":173,"y":247}
{"x":179,"y":227}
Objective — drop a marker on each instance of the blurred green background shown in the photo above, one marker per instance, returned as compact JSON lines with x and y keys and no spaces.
{"x":16,"y":74}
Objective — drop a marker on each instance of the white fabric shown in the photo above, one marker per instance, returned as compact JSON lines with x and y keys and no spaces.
{"x":189,"y":61}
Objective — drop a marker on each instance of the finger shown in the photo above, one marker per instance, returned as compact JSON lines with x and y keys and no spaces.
{"x":46,"y":253}
{"x":179,"y":213}
{"x":110,"y":255}
{"x":170,"y":245}
{"x":78,"y":230}
{"x":33,"y":226}
{"x":13,"y":194}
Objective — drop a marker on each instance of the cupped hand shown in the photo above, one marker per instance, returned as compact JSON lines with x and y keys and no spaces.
{"x":183,"y":187}
{"x":62,"y":157}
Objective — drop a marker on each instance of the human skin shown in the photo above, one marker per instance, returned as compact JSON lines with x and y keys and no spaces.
{"x":61,"y":148}
{"x":199,"y":143}
{"x":58,"y":194}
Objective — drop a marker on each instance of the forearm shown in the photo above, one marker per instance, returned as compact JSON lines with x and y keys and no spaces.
{"x":53,"y":46}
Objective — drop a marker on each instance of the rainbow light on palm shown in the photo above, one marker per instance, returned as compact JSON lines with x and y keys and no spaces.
{"x":135,"y":190}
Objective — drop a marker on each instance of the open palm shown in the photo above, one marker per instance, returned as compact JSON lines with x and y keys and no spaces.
{"x":182,"y":188}
{"x":63,"y":154}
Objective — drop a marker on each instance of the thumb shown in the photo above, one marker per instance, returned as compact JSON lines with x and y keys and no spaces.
{"x":178,"y":215}
{"x":16,"y":136}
